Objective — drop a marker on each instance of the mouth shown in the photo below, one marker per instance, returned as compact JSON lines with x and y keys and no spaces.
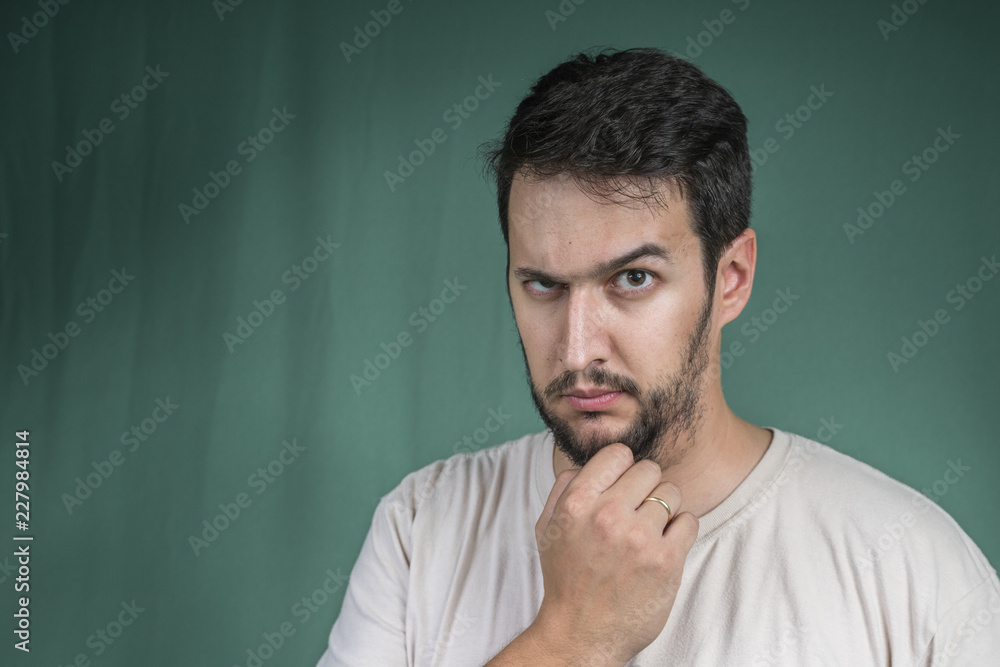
{"x":592,"y":401}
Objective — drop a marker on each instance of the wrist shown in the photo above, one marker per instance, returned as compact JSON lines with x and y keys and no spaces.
{"x":554,"y":646}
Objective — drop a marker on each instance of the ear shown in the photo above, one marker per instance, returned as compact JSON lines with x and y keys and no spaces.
{"x":734,"y":280}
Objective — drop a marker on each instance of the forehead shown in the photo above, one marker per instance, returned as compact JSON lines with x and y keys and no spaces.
{"x":555,"y":222}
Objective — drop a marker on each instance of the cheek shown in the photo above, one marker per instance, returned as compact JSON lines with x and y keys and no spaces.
{"x":662,"y":318}
{"x":539,"y":343}
{"x":649,"y":340}
{"x":541,"y":349}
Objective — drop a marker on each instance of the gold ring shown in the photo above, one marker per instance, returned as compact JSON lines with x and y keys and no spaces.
{"x":670,"y":513}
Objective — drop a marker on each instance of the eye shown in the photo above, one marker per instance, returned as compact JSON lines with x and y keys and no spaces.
{"x":635,"y":280}
{"x":544,"y":287}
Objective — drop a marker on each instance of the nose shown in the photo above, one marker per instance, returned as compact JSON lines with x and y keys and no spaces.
{"x":585,"y":338}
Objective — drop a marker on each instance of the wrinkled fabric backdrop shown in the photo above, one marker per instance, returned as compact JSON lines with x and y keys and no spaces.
{"x":252,"y":276}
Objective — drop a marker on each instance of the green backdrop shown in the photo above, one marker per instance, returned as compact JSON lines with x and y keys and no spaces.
{"x":200,"y":247}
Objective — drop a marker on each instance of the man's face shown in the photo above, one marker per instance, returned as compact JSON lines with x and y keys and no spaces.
{"x":636,"y":330}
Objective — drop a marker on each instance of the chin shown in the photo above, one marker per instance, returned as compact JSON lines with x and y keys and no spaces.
{"x":596,"y":428}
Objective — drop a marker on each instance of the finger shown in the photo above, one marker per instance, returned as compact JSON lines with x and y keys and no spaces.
{"x":681,"y":533}
{"x":635,"y":484}
{"x":562,"y":480}
{"x":654,"y":513}
{"x":604,"y":469}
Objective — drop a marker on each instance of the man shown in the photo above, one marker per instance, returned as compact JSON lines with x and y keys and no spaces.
{"x":648,"y":524}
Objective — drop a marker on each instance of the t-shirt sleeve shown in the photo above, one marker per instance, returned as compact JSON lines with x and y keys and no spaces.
{"x":968,"y":634}
{"x":371,"y":627}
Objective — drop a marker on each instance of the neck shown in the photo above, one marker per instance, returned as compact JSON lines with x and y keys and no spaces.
{"x":718,"y":455}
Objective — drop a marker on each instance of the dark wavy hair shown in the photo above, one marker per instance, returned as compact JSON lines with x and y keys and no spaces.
{"x":627,"y":123}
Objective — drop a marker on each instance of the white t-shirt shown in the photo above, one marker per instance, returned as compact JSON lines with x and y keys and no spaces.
{"x":814,"y":559}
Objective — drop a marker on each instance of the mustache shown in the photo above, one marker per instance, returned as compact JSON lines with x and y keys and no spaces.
{"x":595,"y":375}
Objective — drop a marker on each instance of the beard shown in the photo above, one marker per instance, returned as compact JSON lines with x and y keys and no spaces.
{"x":666,"y":410}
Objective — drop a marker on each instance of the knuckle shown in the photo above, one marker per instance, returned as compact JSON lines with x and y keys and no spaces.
{"x":665,"y":561}
{"x":606,"y":521}
{"x":607,"y":477}
{"x":561,"y":520}
{"x":635,"y":537}
{"x":573,"y":505}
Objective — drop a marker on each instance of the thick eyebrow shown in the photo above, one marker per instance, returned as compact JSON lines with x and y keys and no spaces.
{"x":645,"y":250}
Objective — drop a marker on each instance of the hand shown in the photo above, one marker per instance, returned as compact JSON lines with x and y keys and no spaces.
{"x":611,"y":563}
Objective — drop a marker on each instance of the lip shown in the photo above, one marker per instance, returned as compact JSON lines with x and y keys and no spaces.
{"x":593,"y":403}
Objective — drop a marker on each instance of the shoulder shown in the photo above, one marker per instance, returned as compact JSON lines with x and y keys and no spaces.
{"x":466,"y":475}
{"x":889,"y":528}
{"x":863,"y":494}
